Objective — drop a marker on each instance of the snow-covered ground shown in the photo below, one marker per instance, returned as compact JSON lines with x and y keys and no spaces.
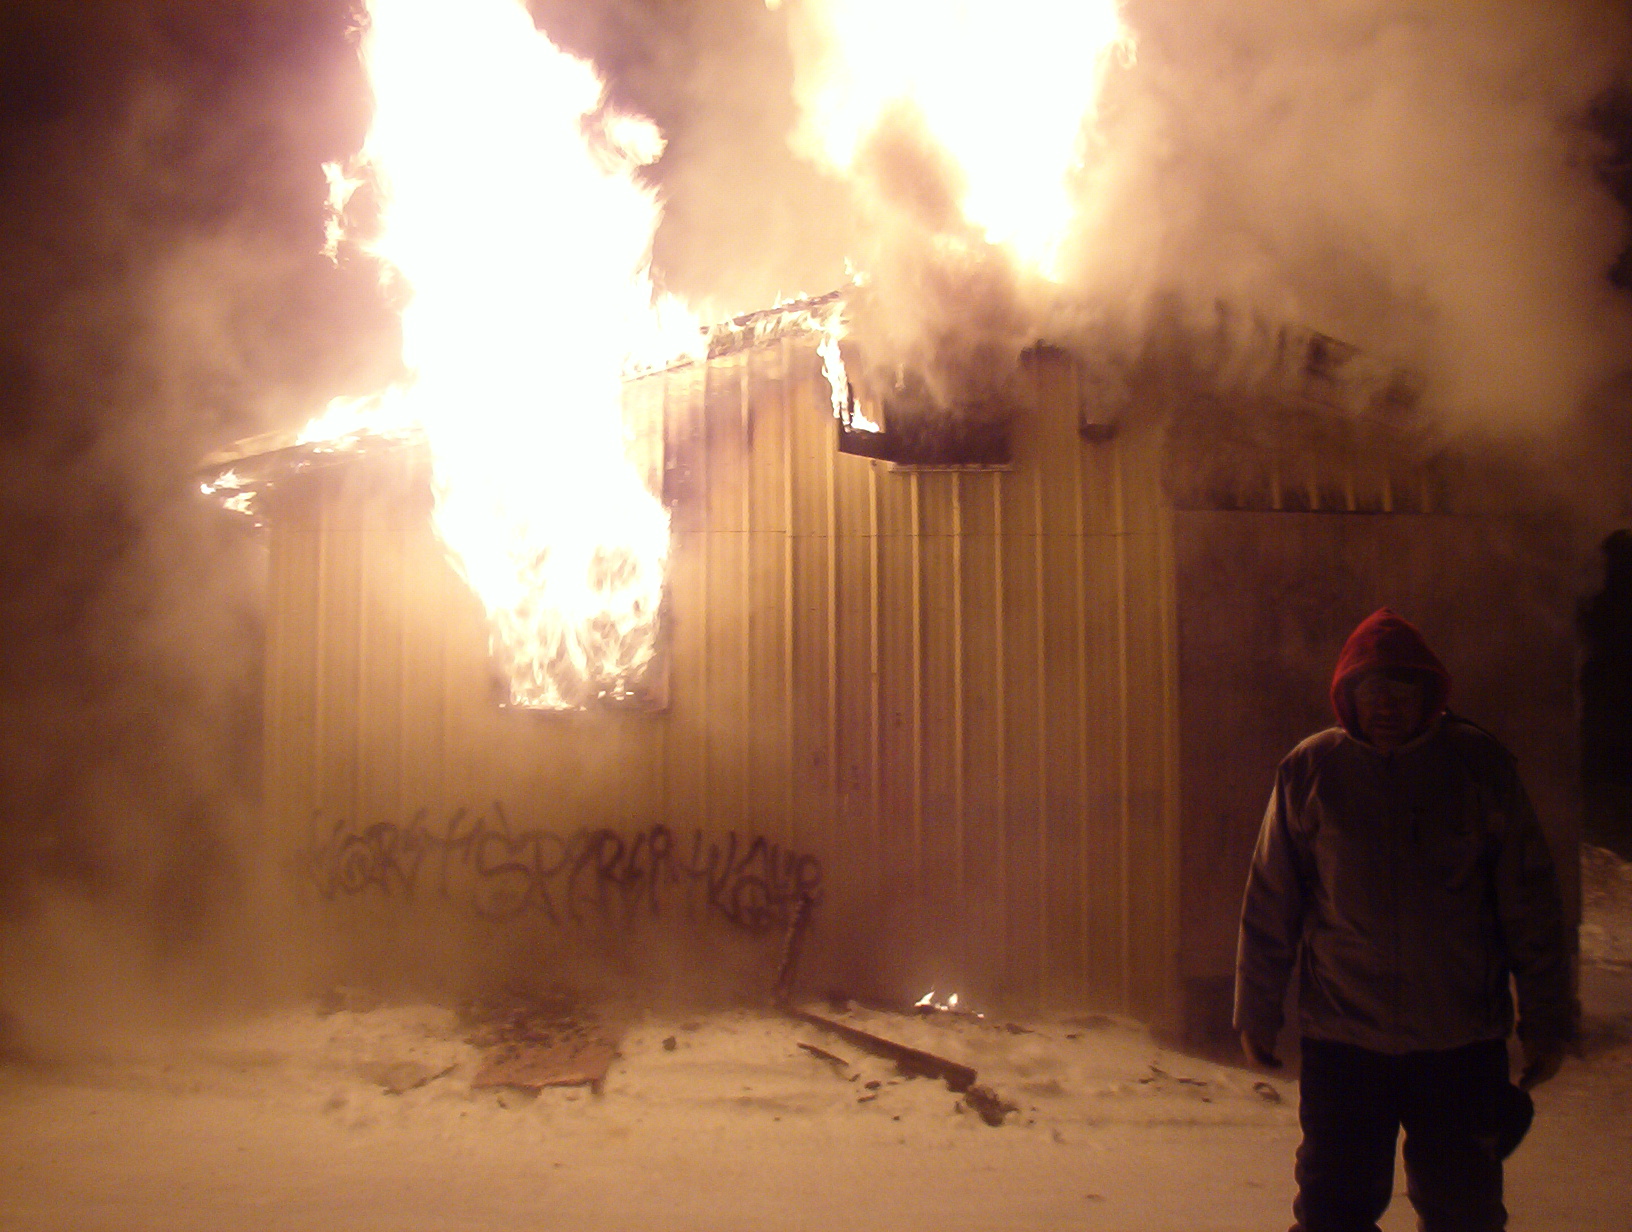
{"x":288,"y":1122}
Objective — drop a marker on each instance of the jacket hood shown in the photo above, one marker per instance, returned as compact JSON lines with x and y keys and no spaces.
{"x":1387,"y":642}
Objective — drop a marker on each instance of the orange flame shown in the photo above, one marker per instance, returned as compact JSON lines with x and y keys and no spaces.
{"x":1004,"y":86}
{"x":509,"y":206}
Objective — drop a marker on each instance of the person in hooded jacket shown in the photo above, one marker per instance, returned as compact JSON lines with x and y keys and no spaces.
{"x":1401,"y":868}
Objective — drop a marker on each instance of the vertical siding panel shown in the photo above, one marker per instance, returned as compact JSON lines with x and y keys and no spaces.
{"x":1124,"y":739}
{"x":937,"y":703}
{"x":770,"y":714}
{"x":1087,"y":855}
{"x":875,"y":675}
{"x":981,"y":764}
{"x":896,"y":617}
{"x":1017,"y":635}
{"x":815,"y":630}
{"x":1058,"y":473}
{"x":959,"y":687}
{"x":843,"y":836}
{"x":1105,"y":721}
{"x":277,"y":717}
{"x":686,"y":462}
{"x":791,"y":752}
{"x":808,"y":703}
{"x":1001,"y":988}
{"x":1151,"y":811}
{"x":361,"y":477}
{"x":915,"y":692}
{"x":1166,"y":996}
{"x":728,"y":585}
{"x":427,"y":579}
{"x":318,"y":793}
{"x":403,"y":802}
{"x":854,"y":855}
{"x":338,"y":697}
{"x":380,"y":625}
{"x":746,"y":559}
{"x":292,"y":666}
{"x":469,"y":682}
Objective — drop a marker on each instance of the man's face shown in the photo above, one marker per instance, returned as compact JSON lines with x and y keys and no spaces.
{"x":1389,"y":711}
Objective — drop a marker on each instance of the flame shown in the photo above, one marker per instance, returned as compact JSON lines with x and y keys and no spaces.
{"x":234,"y":494}
{"x":831,"y":333}
{"x":1004,"y":86}
{"x":510,"y":208}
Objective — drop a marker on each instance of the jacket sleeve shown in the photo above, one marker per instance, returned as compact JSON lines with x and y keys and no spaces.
{"x":1531,"y":912}
{"x":1272,"y":913}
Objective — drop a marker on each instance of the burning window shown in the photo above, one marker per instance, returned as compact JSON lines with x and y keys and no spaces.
{"x":510,"y":211}
{"x":907,"y":428}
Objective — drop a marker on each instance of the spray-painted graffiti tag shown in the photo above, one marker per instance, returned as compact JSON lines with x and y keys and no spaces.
{"x":591,"y":875}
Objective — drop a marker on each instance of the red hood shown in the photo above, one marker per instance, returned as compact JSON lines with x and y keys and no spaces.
{"x":1384,"y":641}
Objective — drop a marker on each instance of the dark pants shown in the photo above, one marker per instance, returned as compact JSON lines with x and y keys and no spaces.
{"x":1355,"y":1102}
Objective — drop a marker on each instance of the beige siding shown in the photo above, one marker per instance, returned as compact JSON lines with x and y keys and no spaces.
{"x":956,"y":688}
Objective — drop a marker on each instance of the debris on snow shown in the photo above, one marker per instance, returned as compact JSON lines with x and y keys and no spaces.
{"x":915,"y":1062}
{"x":825,"y":1055}
{"x":536,"y":1043}
{"x":989,"y":1104}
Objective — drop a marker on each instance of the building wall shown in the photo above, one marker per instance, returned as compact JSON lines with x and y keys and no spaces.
{"x":956,"y":690}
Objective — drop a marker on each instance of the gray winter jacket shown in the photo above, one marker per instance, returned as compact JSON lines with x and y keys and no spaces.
{"x":1407,"y":887}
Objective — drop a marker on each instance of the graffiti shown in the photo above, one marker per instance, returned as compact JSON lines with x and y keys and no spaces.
{"x":478,"y":859}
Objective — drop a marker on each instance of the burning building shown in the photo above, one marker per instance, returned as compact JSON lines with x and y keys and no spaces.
{"x":1008,"y":713}
{"x":988,"y":676}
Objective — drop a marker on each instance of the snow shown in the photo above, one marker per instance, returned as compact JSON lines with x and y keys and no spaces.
{"x":287,"y":1121}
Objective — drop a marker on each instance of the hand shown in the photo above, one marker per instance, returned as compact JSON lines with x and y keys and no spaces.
{"x":1542,"y":1060}
{"x":1259,"y":1052}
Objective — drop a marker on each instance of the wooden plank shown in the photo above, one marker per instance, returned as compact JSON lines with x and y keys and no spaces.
{"x":912,"y":1061}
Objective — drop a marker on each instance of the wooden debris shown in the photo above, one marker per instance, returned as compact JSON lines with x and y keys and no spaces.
{"x":792,"y":944}
{"x":532,"y":1043}
{"x":825,"y":1055}
{"x":914,"y":1062}
{"x":989,"y":1104}
{"x":564,"y":1063}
